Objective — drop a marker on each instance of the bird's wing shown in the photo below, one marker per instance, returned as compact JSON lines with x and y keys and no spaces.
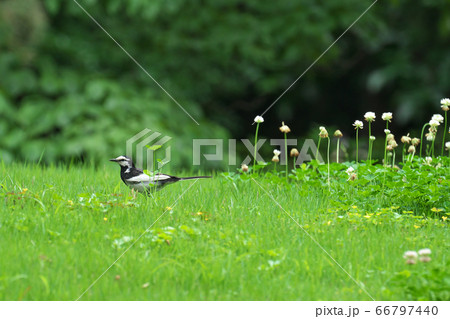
{"x":163,"y":178}
{"x":141,"y":178}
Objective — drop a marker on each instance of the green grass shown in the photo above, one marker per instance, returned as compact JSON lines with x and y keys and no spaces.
{"x":224,"y":239}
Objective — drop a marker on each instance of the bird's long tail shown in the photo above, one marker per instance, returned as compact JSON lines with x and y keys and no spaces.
{"x":193,"y":177}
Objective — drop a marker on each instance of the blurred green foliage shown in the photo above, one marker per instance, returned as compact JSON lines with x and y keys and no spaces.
{"x":67,"y":91}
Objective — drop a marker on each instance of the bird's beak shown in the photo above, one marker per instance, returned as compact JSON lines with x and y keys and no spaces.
{"x":113,"y":160}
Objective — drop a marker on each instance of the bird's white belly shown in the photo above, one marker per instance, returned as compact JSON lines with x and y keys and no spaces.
{"x":139,"y":187}
{"x":142,"y":186}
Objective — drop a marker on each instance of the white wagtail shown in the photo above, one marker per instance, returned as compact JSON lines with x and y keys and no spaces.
{"x":141,"y":182}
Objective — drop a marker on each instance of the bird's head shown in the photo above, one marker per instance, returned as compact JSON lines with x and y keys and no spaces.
{"x":123,"y":161}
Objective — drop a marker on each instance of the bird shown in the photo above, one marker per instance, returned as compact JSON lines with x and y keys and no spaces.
{"x":136,"y":179}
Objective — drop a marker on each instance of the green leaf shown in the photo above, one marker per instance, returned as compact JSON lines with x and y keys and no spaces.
{"x":153,"y":147}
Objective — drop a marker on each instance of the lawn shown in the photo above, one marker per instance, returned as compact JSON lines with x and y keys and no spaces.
{"x":238,"y":236}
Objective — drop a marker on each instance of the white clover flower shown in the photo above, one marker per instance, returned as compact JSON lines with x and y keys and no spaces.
{"x":434,"y":123}
{"x":350,"y":170}
{"x":393,"y":143}
{"x":323,"y":132}
{"x":425,"y":255}
{"x":275,"y":159}
{"x":284,"y":128}
{"x":425,"y":259}
{"x":438,"y":117}
{"x":425,"y":252}
{"x":369,"y":116}
{"x":428,"y":160}
{"x":244,"y":168}
{"x":386,"y":131}
{"x":430,"y":137}
{"x":358,"y":125}
{"x":406,"y":139}
{"x":258,"y":119}
{"x":294,"y":152}
{"x":445,"y":101}
{"x":276,"y":152}
{"x":387,"y":116}
{"x":372,"y":138}
{"x":410,"y":254}
{"x":411,"y":149}
{"x":445,"y":104}
{"x":338,"y":134}
{"x":447,"y":146}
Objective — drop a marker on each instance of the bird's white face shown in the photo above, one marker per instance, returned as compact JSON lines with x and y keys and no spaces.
{"x":122,"y":161}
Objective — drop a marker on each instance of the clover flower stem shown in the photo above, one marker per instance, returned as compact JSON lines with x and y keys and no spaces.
{"x":403,"y":153}
{"x":294,"y":160}
{"x":318,"y":147}
{"x":385,"y":144}
{"x":411,"y":156}
{"x":328,"y":160}
{"x":445,"y":133}
{"x":256,"y":141}
{"x":369,"y":155}
{"x":432,"y":148}
{"x":385,"y":157}
{"x":357,"y":145}
{"x":393,"y":158}
{"x":286,"y":156}
{"x":385,"y":165}
{"x":421,"y":138}
{"x":337,"y":151}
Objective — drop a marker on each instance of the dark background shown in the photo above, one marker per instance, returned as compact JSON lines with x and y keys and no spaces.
{"x":68,"y":93}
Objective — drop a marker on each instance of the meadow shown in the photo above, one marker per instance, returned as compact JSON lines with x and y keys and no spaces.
{"x":347,"y":227}
{"x":240,"y":236}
